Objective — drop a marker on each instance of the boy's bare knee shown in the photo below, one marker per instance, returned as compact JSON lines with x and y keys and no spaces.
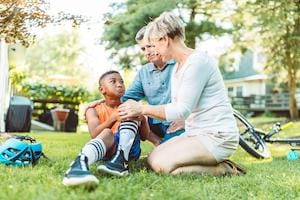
{"x":107,"y":137}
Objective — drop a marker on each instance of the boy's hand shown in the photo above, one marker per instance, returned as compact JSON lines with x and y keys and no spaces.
{"x":176,"y":126}
{"x":115,"y":116}
{"x":92,"y":104}
{"x":138,"y":118}
{"x":154,"y":139}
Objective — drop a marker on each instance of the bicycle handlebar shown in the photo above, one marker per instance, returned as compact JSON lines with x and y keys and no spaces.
{"x":277,"y":128}
{"x":286,"y":125}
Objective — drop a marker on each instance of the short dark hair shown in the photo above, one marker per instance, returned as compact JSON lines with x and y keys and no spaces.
{"x":106,"y":74}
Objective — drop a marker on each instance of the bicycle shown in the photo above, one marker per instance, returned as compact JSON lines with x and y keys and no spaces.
{"x":254,"y":141}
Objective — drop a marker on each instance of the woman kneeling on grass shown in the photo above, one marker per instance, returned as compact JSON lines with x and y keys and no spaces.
{"x":198,"y":96}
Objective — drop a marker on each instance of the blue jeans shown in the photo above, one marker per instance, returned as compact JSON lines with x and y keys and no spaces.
{"x":160,"y":130}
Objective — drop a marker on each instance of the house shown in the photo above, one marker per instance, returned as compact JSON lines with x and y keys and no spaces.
{"x":4,"y":83}
{"x":250,"y":91}
{"x":246,"y":80}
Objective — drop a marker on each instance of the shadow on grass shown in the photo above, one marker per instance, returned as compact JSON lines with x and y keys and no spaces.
{"x":139,"y":165}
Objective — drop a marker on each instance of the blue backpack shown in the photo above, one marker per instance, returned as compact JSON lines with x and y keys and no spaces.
{"x":20,"y":151}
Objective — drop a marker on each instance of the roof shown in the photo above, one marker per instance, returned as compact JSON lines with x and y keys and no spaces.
{"x":245,"y":68}
{"x":248,"y":79}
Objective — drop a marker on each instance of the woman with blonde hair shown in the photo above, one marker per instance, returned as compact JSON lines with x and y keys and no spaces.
{"x":198,"y":96}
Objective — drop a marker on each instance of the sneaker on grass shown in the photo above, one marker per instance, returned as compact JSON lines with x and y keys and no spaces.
{"x":117,"y":166}
{"x":79,"y":174}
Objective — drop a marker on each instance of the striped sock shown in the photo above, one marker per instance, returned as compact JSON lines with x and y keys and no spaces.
{"x":94,"y":150}
{"x":128,"y":131}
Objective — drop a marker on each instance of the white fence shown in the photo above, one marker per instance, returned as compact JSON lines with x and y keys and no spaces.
{"x":271,"y":102}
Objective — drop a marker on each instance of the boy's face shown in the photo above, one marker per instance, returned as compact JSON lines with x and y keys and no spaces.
{"x":112,"y":85}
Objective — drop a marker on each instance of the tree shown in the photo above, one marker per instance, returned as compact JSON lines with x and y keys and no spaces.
{"x":55,"y":55}
{"x":275,"y":26}
{"x":126,"y":18}
{"x":18,"y":17}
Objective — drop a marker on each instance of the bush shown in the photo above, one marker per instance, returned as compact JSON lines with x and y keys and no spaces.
{"x":268,"y":113}
{"x":74,"y":94}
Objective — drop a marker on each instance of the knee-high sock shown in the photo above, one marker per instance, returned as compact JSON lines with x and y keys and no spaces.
{"x":128,"y":131}
{"x":94,"y":150}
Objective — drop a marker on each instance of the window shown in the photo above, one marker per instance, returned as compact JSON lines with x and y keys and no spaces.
{"x":239,"y":91}
{"x":230,"y":91}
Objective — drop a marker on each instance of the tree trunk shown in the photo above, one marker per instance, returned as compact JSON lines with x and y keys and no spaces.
{"x":294,"y":114}
{"x":192,"y":40}
{"x":292,"y":84}
{"x":292,"y":62}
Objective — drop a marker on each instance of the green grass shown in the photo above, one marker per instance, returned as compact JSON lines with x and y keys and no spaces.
{"x":274,"y":178}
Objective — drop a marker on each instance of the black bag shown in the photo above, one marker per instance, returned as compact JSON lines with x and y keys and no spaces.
{"x":18,"y":118}
{"x":72,"y":121}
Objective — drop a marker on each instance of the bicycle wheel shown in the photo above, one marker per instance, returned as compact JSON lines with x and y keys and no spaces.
{"x":250,"y":139}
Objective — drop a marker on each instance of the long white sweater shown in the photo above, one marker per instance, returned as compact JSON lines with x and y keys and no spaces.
{"x":198,"y":95}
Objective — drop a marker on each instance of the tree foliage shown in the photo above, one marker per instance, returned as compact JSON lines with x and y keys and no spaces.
{"x":56,"y":55}
{"x":18,"y":17}
{"x":275,"y":26}
{"x":125,"y":19}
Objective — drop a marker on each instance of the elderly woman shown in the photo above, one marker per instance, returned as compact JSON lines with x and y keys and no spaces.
{"x":198,"y":96}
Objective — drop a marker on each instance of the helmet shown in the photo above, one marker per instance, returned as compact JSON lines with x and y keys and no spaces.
{"x":16,"y":152}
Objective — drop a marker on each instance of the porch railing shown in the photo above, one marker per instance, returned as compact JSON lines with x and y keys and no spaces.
{"x":271,"y":102}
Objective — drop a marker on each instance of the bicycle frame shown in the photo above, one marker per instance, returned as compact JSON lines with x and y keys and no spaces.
{"x":276,"y":129}
{"x":254,"y":141}
{"x":291,"y":141}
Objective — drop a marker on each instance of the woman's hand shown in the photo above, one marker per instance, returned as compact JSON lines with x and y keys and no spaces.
{"x":130,"y":109}
{"x":176,"y":126}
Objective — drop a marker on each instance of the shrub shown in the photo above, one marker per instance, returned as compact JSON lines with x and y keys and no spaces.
{"x":74,"y":94}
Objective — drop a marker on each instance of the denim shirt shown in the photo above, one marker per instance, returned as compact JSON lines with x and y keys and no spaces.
{"x":152,"y":84}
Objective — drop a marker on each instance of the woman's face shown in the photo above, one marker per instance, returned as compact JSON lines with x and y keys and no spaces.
{"x":161,"y":46}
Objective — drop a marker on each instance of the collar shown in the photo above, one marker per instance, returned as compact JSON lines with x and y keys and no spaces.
{"x":153,"y":68}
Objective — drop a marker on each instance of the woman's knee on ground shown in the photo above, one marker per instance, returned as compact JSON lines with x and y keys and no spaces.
{"x":160,"y":163}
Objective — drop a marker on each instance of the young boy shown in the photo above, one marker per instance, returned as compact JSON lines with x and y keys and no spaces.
{"x":110,"y":136}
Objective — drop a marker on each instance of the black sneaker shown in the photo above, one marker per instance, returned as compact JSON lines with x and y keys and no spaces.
{"x":79,"y":174}
{"x":117,"y":166}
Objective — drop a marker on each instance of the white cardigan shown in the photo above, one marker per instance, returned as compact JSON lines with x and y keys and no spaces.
{"x":198,"y":95}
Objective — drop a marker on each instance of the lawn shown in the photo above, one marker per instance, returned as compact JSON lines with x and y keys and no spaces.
{"x":274,"y":178}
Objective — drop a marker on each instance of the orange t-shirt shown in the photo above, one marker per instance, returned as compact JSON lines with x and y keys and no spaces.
{"x":104,"y":112}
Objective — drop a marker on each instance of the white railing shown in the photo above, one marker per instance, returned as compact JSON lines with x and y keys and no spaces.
{"x":272,"y":102}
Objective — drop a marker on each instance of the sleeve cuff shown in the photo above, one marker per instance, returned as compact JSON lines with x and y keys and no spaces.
{"x":170,"y":112}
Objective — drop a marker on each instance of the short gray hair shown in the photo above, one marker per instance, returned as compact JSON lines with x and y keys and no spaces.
{"x":140,"y":34}
{"x":167,"y":24}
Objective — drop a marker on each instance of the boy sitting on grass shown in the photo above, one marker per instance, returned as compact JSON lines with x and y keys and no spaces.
{"x":110,"y":136}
